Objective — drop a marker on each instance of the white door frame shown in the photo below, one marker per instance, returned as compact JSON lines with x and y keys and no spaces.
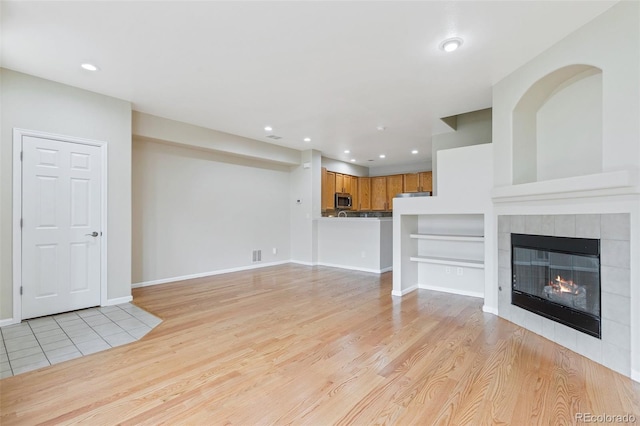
{"x":18,"y":134}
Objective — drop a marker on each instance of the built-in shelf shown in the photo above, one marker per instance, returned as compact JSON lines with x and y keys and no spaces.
{"x":442,"y":237}
{"x":479,"y":264}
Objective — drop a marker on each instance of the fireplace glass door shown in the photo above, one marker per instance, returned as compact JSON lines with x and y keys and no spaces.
{"x":558,"y":278}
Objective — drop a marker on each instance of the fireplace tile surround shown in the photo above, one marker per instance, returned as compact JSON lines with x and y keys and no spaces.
{"x":613,"y":349}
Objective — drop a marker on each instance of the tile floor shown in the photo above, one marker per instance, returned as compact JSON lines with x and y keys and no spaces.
{"x":40,"y":342}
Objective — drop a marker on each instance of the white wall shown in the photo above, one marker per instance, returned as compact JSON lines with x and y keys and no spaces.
{"x":345,"y":168}
{"x":306,"y":187}
{"x":163,"y":129}
{"x":35,"y":104}
{"x":423,"y":166}
{"x":569,"y":131}
{"x":597,"y":45}
{"x":197,"y":212}
{"x":473,"y":128}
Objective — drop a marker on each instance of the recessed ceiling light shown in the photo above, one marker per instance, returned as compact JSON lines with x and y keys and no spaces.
{"x":353,"y":160}
{"x":307,"y":139}
{"x":89,"y":67}
{"x":268,"y":128}
{"x":451,"y":44}
{"x":382,"y":156}
{"x":346,"y":151}
{"x":415,"y":151}
{"x":381,"y":128}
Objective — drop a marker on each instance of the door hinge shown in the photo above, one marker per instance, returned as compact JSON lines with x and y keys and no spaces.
{"x":20,"y":290}
{"x":20,"y":222}
{"x":21,"y":152}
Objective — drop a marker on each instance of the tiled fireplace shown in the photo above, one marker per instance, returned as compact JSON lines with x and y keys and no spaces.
{"x":591,"y":288}
{"x":558,"y":278}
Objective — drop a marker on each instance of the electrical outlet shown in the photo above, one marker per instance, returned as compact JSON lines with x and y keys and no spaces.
{"x":459,"y":271}
{"x":275,"y":250}
{"x":363,"y":255}
{"x":447,"y":269}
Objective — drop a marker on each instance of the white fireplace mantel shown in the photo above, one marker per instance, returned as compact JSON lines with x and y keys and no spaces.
{"x":601,"y":184}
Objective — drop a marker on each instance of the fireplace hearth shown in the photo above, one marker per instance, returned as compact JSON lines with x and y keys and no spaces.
{"x":558,"y":278}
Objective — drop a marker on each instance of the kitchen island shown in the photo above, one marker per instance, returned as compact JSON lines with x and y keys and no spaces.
{"x":357,"y":243}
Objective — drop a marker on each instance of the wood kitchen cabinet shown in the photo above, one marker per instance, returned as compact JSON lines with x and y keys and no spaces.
{"x":411,"y":182}
{"x":347,"y":186}
{"x":339,"y":182}
{"x":344,"y":183}
{"x":371,"y":193}
{"x":426,"y":181}
{"x":379,"y":193}
{"x":355,"y":204}
{"x":418,"y":182}
{"x":383,"y":189}
{"x":394,"y":187}
{"x":328,"y":189}
{"x":364,"y":194}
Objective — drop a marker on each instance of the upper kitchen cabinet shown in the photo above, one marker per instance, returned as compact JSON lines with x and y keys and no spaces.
{"x":411,"y":182}
{"x":344,"y":183}
{"x":418,"y":182}
{"x":394,"y":187}
{"x":364,"y":194}
{"x":328,"y":189}
{"x":340,"y":182}
{"x":354,"y":193}
{"x":426,"y":181}
{"x":371,"y":193}
{"x":379,"y":193}
{"x":383,"y":189}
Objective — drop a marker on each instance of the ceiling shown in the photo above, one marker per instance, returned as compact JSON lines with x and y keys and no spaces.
{"x":330,"y":71}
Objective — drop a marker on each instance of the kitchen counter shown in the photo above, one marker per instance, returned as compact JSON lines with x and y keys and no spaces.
{"x":356,"y":219}
{"x":357,"y":243}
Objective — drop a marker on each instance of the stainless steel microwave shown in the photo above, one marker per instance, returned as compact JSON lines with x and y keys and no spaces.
{"x":343,"y":201}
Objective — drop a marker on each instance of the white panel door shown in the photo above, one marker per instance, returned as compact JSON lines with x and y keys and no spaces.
{"x":61,"y":228}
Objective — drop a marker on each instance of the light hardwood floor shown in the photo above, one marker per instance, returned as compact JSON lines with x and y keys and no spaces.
{"x":301,"y":345}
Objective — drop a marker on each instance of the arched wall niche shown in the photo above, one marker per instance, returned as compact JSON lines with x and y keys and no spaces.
{"x":557,"y":126}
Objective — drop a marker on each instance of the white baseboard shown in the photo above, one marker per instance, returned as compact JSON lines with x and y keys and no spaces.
{"x":405,"y":291}
{"x":118,"y":301}
{"x":355,"y":268}
{"x":300,"y":262}
{"x":206,"y":274}
{"x":451,"y":290}
{"x":8,"y":321}
{"x":635,"y":375}
{"x":490,"y":309}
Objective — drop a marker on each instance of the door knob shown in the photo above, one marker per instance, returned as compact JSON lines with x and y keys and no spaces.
{"x":93,"y":234}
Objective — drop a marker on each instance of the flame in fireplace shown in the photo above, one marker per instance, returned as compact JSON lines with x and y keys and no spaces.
{"x":564,"y":286}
